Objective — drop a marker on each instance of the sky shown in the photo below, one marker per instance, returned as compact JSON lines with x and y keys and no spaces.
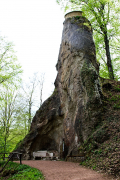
{"x":35,"y":28}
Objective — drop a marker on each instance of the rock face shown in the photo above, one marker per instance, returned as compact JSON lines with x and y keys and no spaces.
{"x":68,"y":117}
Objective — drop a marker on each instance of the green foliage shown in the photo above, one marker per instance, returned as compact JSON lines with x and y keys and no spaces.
{"x":22,"y":172}
{"x":116,"y":106}
{"x":16,"y":106}
{"x":98,"y":151}
{"x":94,"y":167}
{"x":117,"y":89}
{"x":10,"y":81}
{"x":10,"y":69}
{"x":10,"y":130}
{"x":16,"y":102}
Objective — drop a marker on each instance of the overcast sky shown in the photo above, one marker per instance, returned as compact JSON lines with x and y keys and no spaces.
{"x":35,"y":28}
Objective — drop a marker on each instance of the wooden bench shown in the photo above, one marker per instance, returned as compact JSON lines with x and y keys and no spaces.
{"x":43,"y":154}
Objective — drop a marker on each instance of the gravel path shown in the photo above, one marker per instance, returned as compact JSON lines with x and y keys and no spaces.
{"x":60,"y":170}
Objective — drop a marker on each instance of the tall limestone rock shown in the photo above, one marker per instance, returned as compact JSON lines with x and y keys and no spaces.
{"x":68,"y":117}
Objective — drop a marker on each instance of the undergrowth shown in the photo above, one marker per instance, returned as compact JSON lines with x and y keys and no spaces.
{"x":15,"y":171}
{"x":102,"y":148}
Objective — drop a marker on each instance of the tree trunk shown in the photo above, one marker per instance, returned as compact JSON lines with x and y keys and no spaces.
{"x":4,"y":147}
{"x":29,"y":119}
{"x":109,"y":63}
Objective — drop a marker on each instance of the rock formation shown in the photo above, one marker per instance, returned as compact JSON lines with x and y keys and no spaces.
{"x":67,"y":118}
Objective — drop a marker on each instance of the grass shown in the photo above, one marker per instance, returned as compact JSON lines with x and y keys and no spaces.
{"x":15,"y":171}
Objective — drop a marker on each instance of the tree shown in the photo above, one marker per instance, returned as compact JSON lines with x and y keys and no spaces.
{"x":13,"y":124}
{"x":17,"y":110}
{"x":7,"y":113}
{"x":104,"y":17}
{"x":9,"y":67}
{"x":10,"y":72}
{"x":33,"y":88}
{"x":41,"y":82}
{"x":16,"y":106}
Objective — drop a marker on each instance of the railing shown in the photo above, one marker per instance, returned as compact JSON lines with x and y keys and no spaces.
{"x":4,"y":155}
{"x":11,"y":157}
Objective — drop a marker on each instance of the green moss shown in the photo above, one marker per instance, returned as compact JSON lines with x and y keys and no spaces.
{"x":87,"y":25}
{"x":88,"y":76}
{"x":82,"y":22}
{"x":77,"y":17}
{"x":55,"y":92}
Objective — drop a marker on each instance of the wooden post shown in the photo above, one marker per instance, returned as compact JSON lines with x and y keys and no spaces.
{"x":6,"y":163}
{"x":20,"y":158}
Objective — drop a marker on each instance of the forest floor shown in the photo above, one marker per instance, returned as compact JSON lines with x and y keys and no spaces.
{"x":61,"y":170}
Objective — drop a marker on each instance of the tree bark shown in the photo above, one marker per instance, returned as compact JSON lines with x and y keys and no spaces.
{"x":109,"y":62}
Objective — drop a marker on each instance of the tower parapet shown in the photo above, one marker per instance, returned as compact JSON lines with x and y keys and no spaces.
{"x":73,"y":14}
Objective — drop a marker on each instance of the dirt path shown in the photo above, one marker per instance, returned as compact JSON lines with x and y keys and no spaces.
{"x":60,"y":170}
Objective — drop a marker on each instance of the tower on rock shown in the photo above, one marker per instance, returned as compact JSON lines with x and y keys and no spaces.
{"x":67,"y":118}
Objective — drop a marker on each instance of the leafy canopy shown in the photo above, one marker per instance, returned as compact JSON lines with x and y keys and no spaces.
{"x":10,"y":69}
